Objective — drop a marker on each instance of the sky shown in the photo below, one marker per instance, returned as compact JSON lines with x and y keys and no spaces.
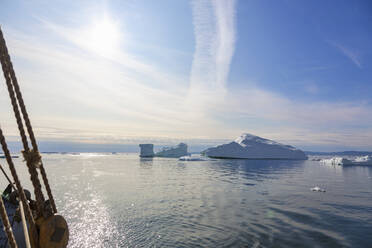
{"x":127,"y":72}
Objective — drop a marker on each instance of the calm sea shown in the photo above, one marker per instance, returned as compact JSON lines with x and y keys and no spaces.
{"x":120,"y":200}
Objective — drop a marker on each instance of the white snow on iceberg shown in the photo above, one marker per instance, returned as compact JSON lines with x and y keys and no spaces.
{"x":249,"y":146}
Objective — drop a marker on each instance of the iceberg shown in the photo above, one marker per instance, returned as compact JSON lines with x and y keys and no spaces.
{"x":337,"y":161}
{"x":147,"y":150}
{"x":249,"y":146}
{"x":173,"y":152}
{"x":363,"y":160}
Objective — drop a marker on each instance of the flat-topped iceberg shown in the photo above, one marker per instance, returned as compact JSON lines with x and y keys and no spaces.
{"x":173,"y":152}
{"x":363,"y":160}
{"x":147,"y":150}
{"x":249,"y":146}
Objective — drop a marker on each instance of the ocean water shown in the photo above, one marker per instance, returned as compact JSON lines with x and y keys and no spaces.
{"x":120,"y":200}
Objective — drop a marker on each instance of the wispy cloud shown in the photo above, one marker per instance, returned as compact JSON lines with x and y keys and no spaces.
{"x":77,"y":96}
{"x":215,"y":36}
{"x":75,"y":93}
{"x":279,"y":117}
{"x":272,"y":106}
{"x":72,"y":89}
{"x":353,"y":55}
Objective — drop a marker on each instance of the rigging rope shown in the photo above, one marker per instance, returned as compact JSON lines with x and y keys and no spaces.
{"x":7,"y":226}
{"x":7,"y":178}
{"x":47,"y":229}
{"x":26,"y":119}
{"x":24,"y":225}
{"x":21,"y":193}
{"x":32,"y":156}
{"x":31,"y":168}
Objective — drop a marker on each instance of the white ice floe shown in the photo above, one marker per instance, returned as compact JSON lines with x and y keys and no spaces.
{"x":317,"y":189}
{"x":249,"y":146}
{"x":173,"y":152}
{"x":194,"y":158}
{"x":363,"y":160}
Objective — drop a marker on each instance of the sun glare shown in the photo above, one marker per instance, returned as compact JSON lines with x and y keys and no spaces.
{"x":103,"y":37}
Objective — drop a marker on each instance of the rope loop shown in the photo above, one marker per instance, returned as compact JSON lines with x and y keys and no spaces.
{"x":33,"y":157}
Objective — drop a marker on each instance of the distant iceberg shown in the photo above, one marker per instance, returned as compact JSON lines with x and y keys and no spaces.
{"x":249,"y":146}
{"x":363,"y":160}
{"x":173,"y":152}
{"x":147,"y":150}
{"x":337,"y":161}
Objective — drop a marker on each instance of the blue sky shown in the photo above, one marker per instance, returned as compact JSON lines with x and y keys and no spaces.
{"x":124,"y":72}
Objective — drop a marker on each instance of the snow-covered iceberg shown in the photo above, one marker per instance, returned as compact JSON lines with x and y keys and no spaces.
{"x":363,"y":160}
{"x":173,"y":152}
{"x":249,"y":146}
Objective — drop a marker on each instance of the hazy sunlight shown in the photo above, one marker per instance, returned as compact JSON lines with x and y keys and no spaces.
{"x":102,"y":37}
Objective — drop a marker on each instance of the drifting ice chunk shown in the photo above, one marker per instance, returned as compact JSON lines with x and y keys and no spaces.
{"x":364,"y":160}
{"x":147,"y":150}
{"x":173,"y":152}
{"x":317,"y":189}
{"x":337,"y":161}
{"x":194,"y":158}
{"x":249,"y":146}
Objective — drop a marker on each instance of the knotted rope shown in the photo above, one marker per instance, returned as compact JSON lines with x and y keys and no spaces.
{"x":21,"y":193}
{"x":33,"y":157}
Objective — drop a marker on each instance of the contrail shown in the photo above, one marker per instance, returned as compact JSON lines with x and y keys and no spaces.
{"x":215,"y":35}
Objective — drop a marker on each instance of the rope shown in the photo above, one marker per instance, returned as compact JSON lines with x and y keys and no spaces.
{"x":7,"y":226}
{"x":27,"y":120}
{"x":21,"y":193}
{"x":32,"y":170}
{"x":33,"y":157}
{"x":7,"y":178}
{"x":47,"y":187}
{"x":24,"y":224}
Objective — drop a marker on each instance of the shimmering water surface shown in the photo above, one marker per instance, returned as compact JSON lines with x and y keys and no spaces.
{"x":120,"y":200}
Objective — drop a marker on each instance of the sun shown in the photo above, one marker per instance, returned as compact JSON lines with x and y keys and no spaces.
{"x":103,"y":37}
